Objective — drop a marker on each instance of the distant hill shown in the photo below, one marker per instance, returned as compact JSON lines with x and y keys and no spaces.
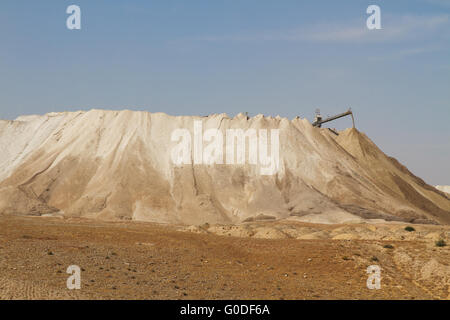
{"x":445,"y":189}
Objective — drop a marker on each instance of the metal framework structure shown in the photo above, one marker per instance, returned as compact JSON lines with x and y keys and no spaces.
{"x":318,"y":121}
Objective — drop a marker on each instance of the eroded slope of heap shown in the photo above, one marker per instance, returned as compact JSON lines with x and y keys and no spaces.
{"x":117,"y":165}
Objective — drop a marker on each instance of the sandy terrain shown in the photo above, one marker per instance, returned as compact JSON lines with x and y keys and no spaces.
{"x":264,"y":260}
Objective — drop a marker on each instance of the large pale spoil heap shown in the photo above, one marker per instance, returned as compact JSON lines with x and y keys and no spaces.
{"x":117,"y":165}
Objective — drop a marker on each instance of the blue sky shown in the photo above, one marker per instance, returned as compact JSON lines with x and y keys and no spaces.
{"x":211,"y":56}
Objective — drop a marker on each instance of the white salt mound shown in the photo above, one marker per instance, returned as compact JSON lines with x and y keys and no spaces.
{"x":118,"y":165}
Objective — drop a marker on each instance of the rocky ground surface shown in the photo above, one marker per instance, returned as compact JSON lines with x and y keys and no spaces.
{"x":263,"y":260}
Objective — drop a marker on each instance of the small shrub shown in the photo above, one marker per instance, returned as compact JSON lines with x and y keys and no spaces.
{"x":409,"y":229}
{"x":375,"y":259}
{"x":441,"y":243}
{"x":388,"y":246}
{"x":206,"y":226}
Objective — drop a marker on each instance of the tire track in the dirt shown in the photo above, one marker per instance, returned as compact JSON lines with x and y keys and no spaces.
{"x":392,"y":270}
{"x":11,"y":289}
{"x":407,"y":276}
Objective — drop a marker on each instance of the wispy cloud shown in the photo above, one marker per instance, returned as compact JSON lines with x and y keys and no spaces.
{"x":444,"y":3}
{"x":397,"y":55}
{"x":394,"y":28}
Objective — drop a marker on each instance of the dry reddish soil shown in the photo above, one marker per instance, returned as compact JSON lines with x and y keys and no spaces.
{"x":129,"y":260}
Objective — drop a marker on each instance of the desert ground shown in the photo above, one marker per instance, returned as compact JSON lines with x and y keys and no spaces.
{"x":256,"y":260}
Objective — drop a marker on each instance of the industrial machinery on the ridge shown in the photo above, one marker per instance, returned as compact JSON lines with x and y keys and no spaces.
{"x":318,"y":120}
